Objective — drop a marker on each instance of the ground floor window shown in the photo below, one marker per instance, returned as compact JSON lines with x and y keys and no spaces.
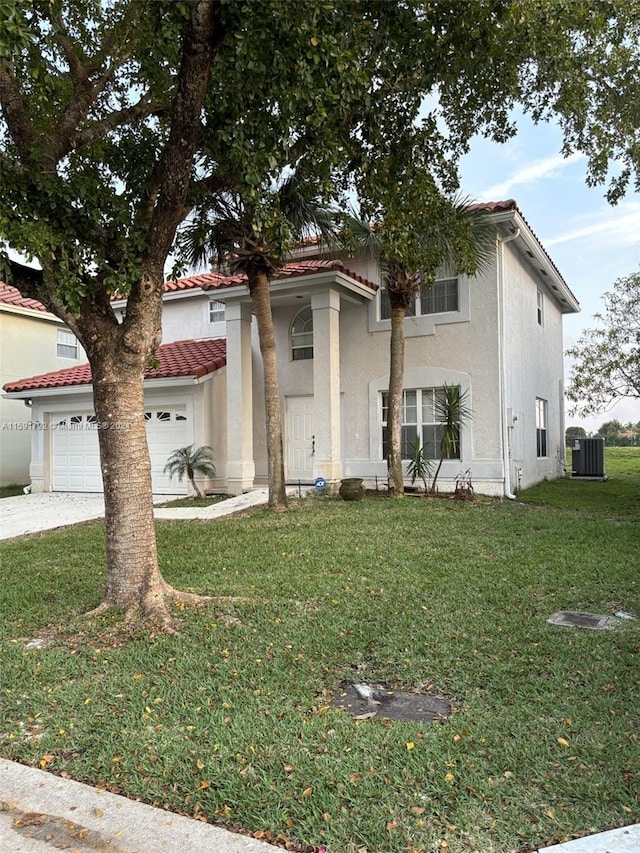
{"x":541,"y":427}
{"x":421,"y":417}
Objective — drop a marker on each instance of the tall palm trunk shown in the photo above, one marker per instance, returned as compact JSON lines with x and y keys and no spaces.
{"x":261,"y":299}
{"x":396,"y":381}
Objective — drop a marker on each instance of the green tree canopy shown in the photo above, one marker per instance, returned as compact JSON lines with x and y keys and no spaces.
{"x":574,"y":432}
{"x":607,"y":358}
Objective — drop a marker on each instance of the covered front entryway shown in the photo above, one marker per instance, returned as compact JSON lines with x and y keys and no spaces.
{"x":300,"y":439}
{"x":76,"y":456}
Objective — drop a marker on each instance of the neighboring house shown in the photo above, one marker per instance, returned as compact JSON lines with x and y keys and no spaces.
{"x":498,"y":336}
{"x":31,"y":340}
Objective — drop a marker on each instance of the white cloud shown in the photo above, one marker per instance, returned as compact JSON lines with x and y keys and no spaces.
{"x":545,"y":168}
{"x":617,"y":226}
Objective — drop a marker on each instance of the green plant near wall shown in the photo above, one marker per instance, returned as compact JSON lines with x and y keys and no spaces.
{"x":189,"y":461}
{"x":419,"y":466}
{"x":452,"y":412}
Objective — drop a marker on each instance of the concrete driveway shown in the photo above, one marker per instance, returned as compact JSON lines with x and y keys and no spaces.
{"x":48,"y":510}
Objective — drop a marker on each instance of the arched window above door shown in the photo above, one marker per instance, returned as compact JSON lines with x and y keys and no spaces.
{"x":302,"y":335}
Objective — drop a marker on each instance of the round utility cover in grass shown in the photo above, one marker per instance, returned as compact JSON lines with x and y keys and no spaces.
{"x":365,"y":702}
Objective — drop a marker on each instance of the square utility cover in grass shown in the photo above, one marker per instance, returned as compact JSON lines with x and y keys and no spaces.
{"x":231,"y":720}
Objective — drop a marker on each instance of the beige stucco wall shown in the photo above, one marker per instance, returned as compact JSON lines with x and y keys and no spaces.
{"x":186,"y":317}
{"x":461,"y":348}
{"x":437,"y":350}
{"x":534,"y":368}
{"x":28,"y":341}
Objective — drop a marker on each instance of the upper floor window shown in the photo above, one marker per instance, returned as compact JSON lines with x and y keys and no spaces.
{"x":302,"y":335}
{"x":67,"y":345}
{"x":216,"y":311}
{"x":541,"y":427}
{"x":540,"y":308}
{"x":438,"y":298}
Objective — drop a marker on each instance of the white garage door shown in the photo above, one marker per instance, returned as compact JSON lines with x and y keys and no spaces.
{"x":76,"y":458}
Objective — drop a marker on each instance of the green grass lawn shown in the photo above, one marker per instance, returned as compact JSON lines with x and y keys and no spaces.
{"x":11,"y":491}
{"x":229,"y":720}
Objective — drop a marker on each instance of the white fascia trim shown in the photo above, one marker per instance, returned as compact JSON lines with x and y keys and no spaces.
{"x":80,"y":390}
{"x":33,"y":313}
{"x":283,"y":286}
{"x":539,"y":259}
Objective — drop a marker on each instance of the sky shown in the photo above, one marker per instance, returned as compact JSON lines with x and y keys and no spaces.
{"x":591,"y":242}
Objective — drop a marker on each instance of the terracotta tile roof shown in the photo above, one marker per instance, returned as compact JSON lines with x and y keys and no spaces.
{"x":181,"y":358}
{"x":11,"y":296}
{"x":295,"y":269}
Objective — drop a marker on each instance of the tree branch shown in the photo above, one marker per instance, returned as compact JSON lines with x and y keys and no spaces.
{"x":20,"y":126}
{"x":177,"y":157}
{"x":97,"y":130}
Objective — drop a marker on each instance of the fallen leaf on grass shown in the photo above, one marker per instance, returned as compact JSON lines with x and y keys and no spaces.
{"x":563,"y":741}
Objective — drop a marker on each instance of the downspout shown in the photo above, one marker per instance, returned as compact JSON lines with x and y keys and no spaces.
{"x":502,"y":368}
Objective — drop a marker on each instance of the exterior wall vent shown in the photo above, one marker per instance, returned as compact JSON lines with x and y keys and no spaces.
{"x":588,"y":458}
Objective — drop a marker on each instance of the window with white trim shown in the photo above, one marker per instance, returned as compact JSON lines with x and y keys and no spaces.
{"x":67,"y":344}
{"x":419,"y":419}
{"x":302,"y":335}
{"x":439,"y":298}
{"x":540,"y":308}
{"x":541,"y":427}
{"x":216,"y":311}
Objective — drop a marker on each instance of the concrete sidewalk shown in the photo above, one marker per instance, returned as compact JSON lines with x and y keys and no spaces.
{"x":42,"y":813}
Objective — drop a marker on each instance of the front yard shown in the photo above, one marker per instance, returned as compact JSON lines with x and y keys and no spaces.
{"x":229,"y":720}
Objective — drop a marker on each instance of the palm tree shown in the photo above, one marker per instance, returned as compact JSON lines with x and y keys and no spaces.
{"x":189,"y":461}
{"x":254,"y":238}
{"x":452,"y":410}
{"x":411,"y":245}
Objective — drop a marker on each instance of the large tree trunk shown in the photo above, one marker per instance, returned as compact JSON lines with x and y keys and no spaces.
{"x":394,"y":414}
{"x":134,"y":583}
{"x":259,"y":289}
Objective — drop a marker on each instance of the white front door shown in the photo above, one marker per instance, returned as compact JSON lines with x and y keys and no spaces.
{"x":300,"y":439}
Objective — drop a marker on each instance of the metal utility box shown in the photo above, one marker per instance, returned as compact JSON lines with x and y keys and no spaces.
{"x":588,"y":458}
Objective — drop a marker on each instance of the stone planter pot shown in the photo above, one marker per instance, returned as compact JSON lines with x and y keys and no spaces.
{"x":351,"y":489}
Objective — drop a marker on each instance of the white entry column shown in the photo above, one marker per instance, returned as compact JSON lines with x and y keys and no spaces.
{"x":326,"y":387}
{"x":240,"y":462}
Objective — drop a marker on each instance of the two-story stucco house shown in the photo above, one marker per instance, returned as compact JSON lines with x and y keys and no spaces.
{"x":497,"y":336}
{"x":31,"y":340}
